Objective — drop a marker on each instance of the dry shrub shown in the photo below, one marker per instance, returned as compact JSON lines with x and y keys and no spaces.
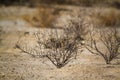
{"x":60,"y":50}
{"x":43,"y":18}
{"x":109,"y":40}
{"x":77,"y":28}
{"x":110,"y":17}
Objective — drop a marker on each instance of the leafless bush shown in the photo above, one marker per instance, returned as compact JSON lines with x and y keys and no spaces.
{"x":62,"y":51}
{"x":77,"y":29}
{"x":58,"y":49}
{"x":23,"y":45}
{"x":111,"y":43}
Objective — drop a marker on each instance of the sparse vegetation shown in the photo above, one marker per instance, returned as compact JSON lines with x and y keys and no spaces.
{"x":62,"y":51}
{"x":43,"y":18}
{"x":54,"y":39}
{"x":76,"y":29}
{"x":111,"y":44}
{"x":110,"y":17}
{"x":59,"y":50}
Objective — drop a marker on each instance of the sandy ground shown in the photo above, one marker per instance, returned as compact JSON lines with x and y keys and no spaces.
{"x":16,"y":65}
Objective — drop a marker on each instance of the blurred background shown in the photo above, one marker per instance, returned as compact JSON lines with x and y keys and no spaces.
{"x":33,"y":3}
{"x":21,"y":19}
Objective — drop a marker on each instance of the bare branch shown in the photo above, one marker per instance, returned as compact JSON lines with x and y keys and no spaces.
{"x":109,"y":39}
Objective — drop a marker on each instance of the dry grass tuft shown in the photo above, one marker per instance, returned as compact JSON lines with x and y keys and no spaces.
{"x":43,"y":18}
{"x":110,"y":17}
